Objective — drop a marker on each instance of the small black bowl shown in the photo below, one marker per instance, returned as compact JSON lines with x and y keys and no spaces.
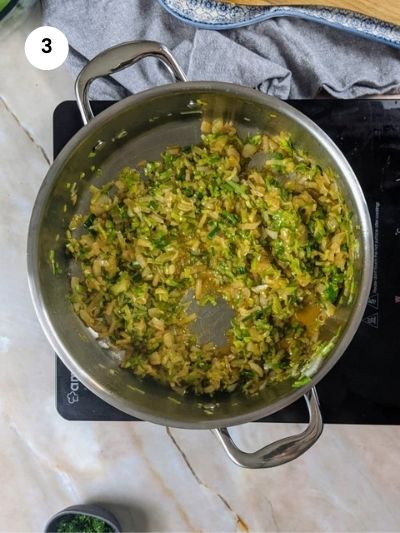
{"x":94,"y":511}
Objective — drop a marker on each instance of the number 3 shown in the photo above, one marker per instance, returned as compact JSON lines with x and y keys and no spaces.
{"x":47,"y":46}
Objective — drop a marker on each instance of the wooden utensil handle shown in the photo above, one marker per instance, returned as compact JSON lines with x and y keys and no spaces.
{"x":387,"y":10}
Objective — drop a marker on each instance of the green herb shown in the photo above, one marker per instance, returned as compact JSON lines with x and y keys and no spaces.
{"x":89,"y":220}
{"x":161,"y":242}
{"x":136,"y":271}
{"x":255,"y":139}
{"x":55,"y":267}
{"x":230,"y":217}
{"x":214,"y":231}
{"x":300,"y":382}
{"x":188,"y":191}
{"x":82,"y":524}
{"x":235,"y":187}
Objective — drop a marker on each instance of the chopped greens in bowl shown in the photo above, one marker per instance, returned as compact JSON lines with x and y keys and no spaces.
{"x":274,"y":240}
{"x":80,"y":523}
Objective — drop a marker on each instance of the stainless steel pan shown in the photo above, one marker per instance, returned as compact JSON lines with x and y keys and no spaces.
{"x":138,"y":128}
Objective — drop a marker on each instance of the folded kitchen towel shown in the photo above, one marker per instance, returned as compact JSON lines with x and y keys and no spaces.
{"x":287,"y":57}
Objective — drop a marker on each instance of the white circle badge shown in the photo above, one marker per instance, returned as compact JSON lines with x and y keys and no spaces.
{"x":46,"y":48}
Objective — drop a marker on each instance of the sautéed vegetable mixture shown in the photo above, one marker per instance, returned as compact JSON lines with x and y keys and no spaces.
{"x":275,"y":243}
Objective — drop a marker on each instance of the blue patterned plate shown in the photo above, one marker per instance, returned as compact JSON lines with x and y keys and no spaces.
{"x":208,"y":14}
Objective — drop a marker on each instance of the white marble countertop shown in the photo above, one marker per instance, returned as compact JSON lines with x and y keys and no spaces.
{"x":155,"y":479}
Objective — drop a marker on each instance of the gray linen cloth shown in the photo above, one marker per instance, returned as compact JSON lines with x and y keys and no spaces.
{"x":285,"y":57}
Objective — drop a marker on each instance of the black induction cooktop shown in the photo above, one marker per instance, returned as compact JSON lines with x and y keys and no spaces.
{"x":364,"y":386}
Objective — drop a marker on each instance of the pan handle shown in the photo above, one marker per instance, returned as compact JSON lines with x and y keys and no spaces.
{"x":281,"y":451}
{"x":118,"y":58}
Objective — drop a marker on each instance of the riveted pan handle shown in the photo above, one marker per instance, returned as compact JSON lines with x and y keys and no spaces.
{"x":281,"y":451}
{"x":118,"y":58}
